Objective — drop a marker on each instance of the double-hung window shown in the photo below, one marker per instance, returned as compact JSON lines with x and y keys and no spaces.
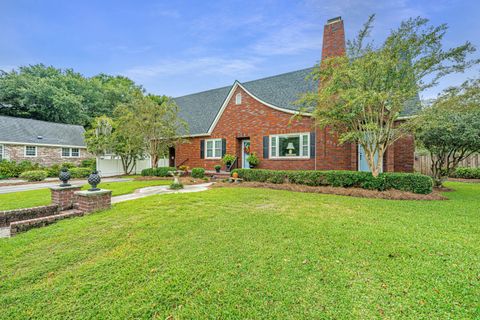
{"x":70,"y":152}
{"x":213,"y":148}
{"x":2,"y":151}
{"x":292,"y":145}
{"x":30,"y":151}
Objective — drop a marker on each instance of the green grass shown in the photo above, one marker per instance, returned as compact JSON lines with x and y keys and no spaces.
{"x":41,"y":197}
{"x":237,"y":253}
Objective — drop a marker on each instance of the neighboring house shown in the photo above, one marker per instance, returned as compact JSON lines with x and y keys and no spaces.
{"x":41,"y":142}
{"x":255,"y":116}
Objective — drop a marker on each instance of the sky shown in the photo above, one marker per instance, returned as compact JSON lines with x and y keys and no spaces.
{"x":181,"y":47}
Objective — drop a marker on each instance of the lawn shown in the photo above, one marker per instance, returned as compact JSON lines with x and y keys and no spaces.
{"x":41,"y":197}
{"x":236,"y":253}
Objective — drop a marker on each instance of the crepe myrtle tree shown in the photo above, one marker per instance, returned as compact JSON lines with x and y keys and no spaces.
{"x":450,"y":128}
{"x":116,"y":136}
{"x":363,"y":93}
{"x":156,"y":120}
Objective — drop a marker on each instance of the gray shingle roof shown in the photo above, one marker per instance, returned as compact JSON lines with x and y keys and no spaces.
{"x":20,"y":130}
{"x":199,"y":109}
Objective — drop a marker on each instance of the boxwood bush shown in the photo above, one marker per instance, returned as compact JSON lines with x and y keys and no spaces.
{"x":466,"y":173}
{"x":198,"y":173}
{"x":157,"y":172}
{"x":77,"y":173}
{"x":411,"y":182}
{"x":37,"y":175}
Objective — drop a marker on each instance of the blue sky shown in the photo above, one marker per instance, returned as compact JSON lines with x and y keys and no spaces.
{"x":181,"y":47}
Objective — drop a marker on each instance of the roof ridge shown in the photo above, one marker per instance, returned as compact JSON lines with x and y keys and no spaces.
{"x":278,"y":75}
{"x":264,"y":78}
{"x":51,"y":122}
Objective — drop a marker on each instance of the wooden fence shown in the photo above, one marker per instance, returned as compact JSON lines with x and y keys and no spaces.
{"x":423,"y":163}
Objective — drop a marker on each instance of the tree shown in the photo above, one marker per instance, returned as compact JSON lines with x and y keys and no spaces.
{"x":47,"y":93}
{"x":118,"y":137}
{"x":156,"y":119}
{"x":450,"y":128}
{"x":362,"y":95}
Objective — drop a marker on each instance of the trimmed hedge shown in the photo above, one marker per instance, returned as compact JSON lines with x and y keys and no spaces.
{"x":76,"y":173}
{"x":157,"y":172}
{"x":411,"y":182}
{"x":466,"y":173}
{"x":37,"y":175}
{"x":198,"y":172}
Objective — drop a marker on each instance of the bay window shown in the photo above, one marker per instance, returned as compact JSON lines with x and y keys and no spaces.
{"x":292,"y":145}
{"x":213,"y":148}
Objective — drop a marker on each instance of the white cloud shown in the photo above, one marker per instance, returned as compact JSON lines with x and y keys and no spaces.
{"x":204,"y":65}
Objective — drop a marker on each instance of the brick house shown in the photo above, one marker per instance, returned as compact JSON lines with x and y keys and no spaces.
{"x":256,"y":116}
{"x":45,"y":143}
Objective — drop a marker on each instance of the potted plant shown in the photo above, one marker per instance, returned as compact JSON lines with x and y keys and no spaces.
{"x":253,"y":160}
{"x":228,"y":160}
{"x":217,"y":168}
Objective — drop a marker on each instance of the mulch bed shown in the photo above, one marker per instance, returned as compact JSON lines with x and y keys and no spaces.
{"x":353,"y":192}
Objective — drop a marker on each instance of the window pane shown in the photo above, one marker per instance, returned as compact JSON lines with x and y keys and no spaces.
{"x":31,"y":151}
{"x":1,"y":152}
{"x":209,"y":153}
{"x":289,"y":146}
{"x":273,"y":146}
{"x":65,"y":152}
{"x":305,"y":145}
{"x":75,"y":152}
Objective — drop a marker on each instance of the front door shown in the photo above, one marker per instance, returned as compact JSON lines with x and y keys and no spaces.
{"x":171,"y":157}
{"x":362,"y":160}
{"x":245,"y":153}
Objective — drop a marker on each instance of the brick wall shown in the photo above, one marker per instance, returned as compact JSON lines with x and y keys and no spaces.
{"x":9,"y":216}
{"x":64,"y":197}
{"x":91,"y":201}
{"x":46,"y":156}
{"x":253,"y":120}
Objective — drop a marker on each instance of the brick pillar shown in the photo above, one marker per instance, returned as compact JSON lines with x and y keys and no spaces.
{"x":91,"y":201}
{"x":64,"y":197}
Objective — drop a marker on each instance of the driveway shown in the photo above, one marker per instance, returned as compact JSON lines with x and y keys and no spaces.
{"x":36,"y":186}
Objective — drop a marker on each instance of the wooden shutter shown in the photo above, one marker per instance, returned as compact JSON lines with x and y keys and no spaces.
{"x":312,"y":145}
{"x":202,"y":149}
{"x":265,"y":147}
{"x":224,"y":147}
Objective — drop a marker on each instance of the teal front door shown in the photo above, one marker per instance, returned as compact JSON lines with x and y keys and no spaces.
{"x":362,"y":160}
{"x":245,"y":153}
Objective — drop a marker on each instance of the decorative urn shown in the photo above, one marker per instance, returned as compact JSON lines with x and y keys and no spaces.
{"x":64,"y":176}
{"x":94,"y":179}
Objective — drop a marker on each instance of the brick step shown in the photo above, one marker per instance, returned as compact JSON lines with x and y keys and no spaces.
{"x":219,"y":175}
{"x":25,"y":225}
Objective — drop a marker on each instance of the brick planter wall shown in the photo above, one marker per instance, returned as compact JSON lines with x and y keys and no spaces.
{"x":91,"y":201}
{"x":64,"y":197}
{"x":9,"y":216}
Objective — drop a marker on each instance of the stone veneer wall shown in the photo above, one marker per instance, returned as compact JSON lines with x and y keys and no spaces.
{"x":46,"y":156}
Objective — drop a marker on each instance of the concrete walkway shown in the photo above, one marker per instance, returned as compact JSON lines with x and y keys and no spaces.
{"x":148,"y":191}
{"x":140,"y":193}
{"x":56,"y":182}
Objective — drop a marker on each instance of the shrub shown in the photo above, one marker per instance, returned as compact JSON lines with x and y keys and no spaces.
{"x":53,"y":171}
{"x":411,"y":182}
{"x":198,"y":173}
{"x":218,"y":167}
{"x":89,"y":163}
{"x":176,"y":186}
{"x":68,"y":165}
{"x":466,"y":173}
{"x":157,"y":172}
{"x":76,"y":173}
{"x":37,"y":175}
{"x":228,"y":159}
{"x":9,"y":169}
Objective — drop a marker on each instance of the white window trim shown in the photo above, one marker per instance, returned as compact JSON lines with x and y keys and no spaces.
{"x":300,"y":134}
{"x":238,"y":98}
{"x":213,"y":149}
{"x":30,"y":156}
{"x":70,"y":153}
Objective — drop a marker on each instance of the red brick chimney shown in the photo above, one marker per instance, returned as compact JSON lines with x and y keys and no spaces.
{"x":333,"y":38}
